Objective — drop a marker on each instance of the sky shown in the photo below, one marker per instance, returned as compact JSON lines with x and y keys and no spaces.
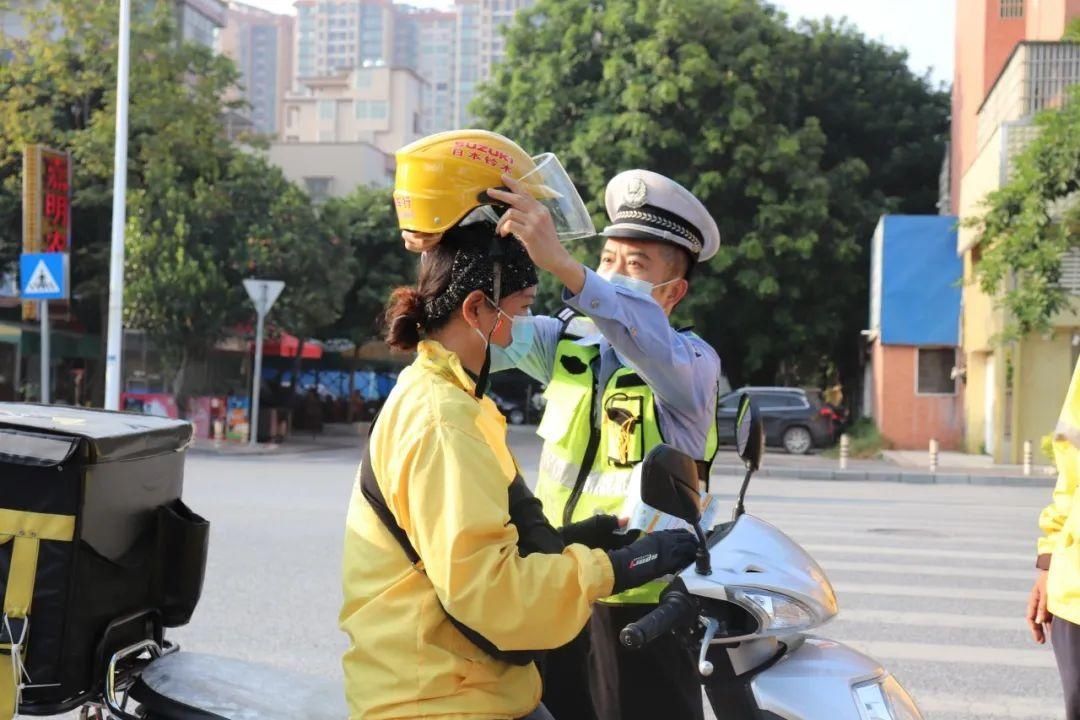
{"x":922,"y":27}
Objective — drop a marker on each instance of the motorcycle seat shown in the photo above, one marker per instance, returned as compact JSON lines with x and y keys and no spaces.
{"x":191,"y":686}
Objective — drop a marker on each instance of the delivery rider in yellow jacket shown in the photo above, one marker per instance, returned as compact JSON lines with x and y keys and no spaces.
{"x":442,"y":601}
{"x":1055,"y":599}
{"x":620,"y":380}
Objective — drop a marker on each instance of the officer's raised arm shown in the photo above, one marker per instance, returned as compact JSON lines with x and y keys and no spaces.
{"x":658,"y":232}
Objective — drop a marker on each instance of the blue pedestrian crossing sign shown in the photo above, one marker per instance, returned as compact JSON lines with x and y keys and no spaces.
{"x":43,"y":276}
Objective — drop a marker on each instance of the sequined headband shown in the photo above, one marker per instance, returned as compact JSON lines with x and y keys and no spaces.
{"x":473,"y":269}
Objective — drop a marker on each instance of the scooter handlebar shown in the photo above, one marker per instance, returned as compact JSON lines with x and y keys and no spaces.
{"x":675,"y":609}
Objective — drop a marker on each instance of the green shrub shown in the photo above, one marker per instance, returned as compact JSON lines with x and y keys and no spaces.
{"x":1047,"y":447}
{"x":866,"y":441}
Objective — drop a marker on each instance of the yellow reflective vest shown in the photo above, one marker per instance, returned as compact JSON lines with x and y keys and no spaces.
{"x":590,"y":451}
{"x":443,"y":466}
{"x":1060,"y":520}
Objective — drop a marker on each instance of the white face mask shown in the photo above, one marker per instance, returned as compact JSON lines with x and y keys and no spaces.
{"x":634,"y":284}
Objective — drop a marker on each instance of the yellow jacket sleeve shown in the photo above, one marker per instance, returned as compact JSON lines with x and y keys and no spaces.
{"x":1053,"y":517}
{"x":453,"y":493}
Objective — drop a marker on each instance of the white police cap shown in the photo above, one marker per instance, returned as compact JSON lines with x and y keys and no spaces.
{"x":648,"y":206}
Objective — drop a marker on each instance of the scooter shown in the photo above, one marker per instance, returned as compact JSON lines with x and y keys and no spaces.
{"x":151,"y":680}
{"x":746,"y":605}
{"x":743,"y":608}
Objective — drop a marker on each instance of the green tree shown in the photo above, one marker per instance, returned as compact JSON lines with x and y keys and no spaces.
{"x":203,"y":214}
{"x":365,"y":222}
{"x":1072,"y":31}
{"x":724,"y":97}
{"x":176,"y":287}
{"x":58,"y":88}
{"x":886,"y":129}
{"x":1031,"y":223}
{"x":191,"y":246}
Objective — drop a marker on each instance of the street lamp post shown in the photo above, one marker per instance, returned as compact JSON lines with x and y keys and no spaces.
{"x":114,"y":351}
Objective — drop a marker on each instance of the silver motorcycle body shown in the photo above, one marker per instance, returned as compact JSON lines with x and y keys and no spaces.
{"x":762,"y":596}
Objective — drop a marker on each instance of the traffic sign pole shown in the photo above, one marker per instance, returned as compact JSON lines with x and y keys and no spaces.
{"x":257,"y":381}
{"x":263,"y":293}
{"x":44,"y":277}
{"x":43,"y":310}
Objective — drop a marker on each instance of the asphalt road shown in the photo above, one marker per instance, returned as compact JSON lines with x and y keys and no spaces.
{"x":932,"y":580}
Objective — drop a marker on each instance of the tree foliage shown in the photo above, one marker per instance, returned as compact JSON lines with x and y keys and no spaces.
{"x":1030,"y":224}
{"x":202,"y":213}
{"x":795,"y":139}
{"x":365,"y":222}
{"x":58,"y":88}
{"x":191,"y":246}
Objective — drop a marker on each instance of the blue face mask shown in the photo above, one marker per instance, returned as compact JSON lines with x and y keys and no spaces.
{"x":634,"y":284}
{"x":522,"y":332}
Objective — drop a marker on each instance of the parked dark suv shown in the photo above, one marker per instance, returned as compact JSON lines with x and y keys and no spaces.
{"x":792,"y":420}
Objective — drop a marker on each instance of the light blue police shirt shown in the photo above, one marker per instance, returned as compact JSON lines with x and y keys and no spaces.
{"x":633,"y":331}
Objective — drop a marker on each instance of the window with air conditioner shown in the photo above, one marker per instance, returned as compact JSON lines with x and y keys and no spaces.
{"x":935,"y":371}
{"x":318,"y":188}
{"x":1070,"y":272}
{"x":1011,"y":8}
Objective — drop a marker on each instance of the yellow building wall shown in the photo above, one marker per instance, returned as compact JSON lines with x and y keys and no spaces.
{"x":1041,"y":379}
{"x":979,"y":318}
{"x":975,"y":392}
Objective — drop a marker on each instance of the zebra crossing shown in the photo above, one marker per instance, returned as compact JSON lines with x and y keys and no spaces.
{"x":932,"y":581}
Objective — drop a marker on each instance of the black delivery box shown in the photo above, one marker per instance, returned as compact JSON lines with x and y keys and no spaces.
{"x":98,"y":493}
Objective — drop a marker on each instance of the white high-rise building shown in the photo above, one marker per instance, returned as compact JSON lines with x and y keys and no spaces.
{"x":261,"y":44}
{"x":342,"y":131}
{"x":451,"y":51}
{"x":436,"y":58}
{"x":480,"y":46}
{"x":200,"y":21}
{"x":336,"y":35}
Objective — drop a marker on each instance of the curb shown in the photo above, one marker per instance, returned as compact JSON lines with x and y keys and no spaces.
{"x":265,"y":450}
{"x":896,"y":476}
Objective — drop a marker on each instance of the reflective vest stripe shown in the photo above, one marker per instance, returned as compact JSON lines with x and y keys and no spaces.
{"x":627,"y":429}
{"x":565,"y":473}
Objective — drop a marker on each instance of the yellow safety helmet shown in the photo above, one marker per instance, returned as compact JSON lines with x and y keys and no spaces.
{"x":443,"y":177}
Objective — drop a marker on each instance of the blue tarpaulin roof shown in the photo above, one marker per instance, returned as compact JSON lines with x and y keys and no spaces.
{"x":915,"y":280}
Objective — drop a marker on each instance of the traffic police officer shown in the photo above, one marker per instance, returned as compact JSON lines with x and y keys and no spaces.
{"x":620,"y":380}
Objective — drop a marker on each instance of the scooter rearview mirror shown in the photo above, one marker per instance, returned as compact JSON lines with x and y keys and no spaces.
{"x":749,"y":433}
{"x":669,"y":483}
{"x":750,"y":443}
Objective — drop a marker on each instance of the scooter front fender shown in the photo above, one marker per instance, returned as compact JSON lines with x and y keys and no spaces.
{"x":815,"y":680}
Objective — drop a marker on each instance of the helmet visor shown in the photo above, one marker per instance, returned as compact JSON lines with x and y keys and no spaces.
{"x":549,"y":184}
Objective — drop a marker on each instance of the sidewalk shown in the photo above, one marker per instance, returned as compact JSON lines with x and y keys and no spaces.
{"x":336,"y":436}
{"x":897,"y":466}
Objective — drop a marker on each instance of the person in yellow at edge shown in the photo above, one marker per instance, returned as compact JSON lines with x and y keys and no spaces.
{"x":1054,"y":605}
{"x":452,"y":576}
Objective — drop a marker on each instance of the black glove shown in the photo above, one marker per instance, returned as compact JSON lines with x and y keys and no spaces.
{"x":598,"y":532}
{"x":653,"y":556}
